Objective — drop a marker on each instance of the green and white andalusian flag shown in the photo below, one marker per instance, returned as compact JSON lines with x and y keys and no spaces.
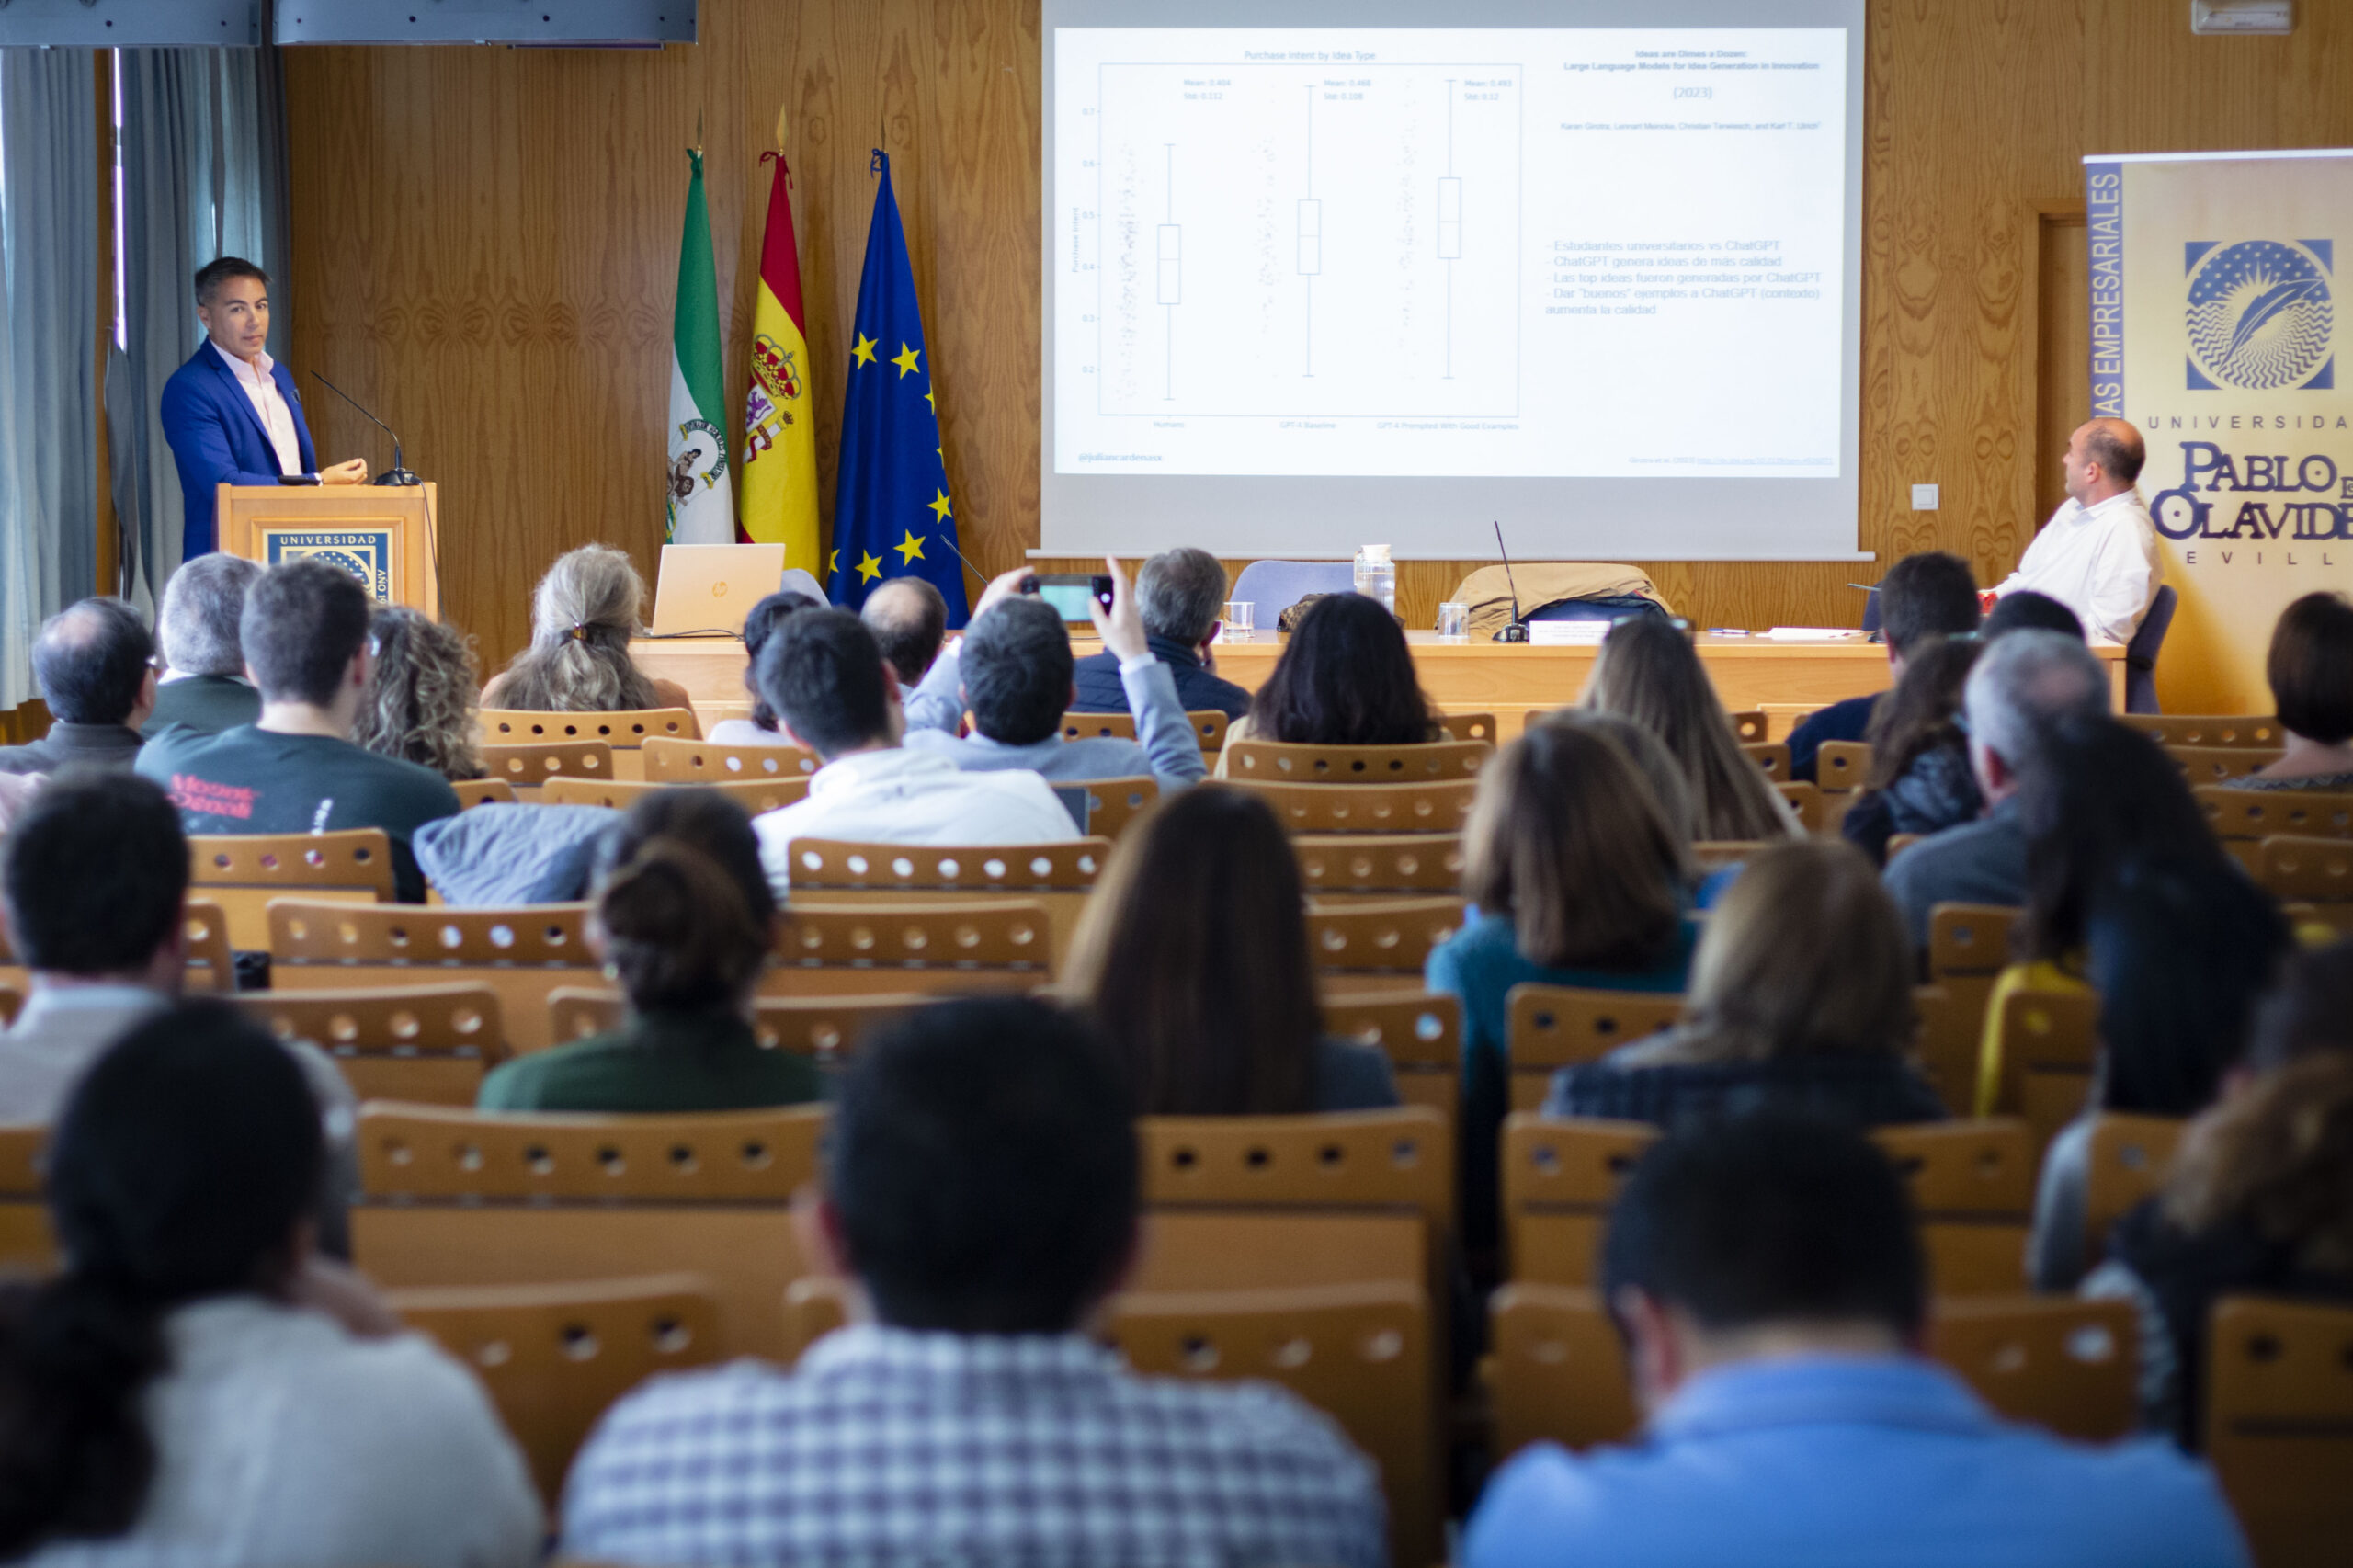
{"x":702,"y":496}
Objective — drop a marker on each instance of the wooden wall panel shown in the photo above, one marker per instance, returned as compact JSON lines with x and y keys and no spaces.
{"x":486,"y":243}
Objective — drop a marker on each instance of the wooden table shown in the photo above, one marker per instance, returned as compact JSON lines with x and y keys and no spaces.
{"x":1787,"y":680}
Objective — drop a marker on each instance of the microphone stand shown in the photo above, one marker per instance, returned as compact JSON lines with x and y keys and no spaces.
{"x":399,"y":472}
{"x":1516,"y":629}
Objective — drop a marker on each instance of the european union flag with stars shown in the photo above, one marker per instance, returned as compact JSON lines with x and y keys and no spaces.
{"x":893,"y":516}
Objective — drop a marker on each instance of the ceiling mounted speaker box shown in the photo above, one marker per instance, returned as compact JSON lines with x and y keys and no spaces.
{"x":131,"y":24}
{"x":560,"y":23}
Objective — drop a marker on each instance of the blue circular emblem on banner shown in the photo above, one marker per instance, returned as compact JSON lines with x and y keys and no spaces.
{"x":349,"y":562}
{"x":2260,"y":315}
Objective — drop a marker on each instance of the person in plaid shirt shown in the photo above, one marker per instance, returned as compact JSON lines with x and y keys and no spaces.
{"x":981,"y":1180}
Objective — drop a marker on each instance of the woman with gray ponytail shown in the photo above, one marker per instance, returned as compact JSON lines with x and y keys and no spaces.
{"x":583,"y":616}
{"x":197,"y":1385}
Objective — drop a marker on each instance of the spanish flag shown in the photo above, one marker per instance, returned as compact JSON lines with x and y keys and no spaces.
{"x":780,"y":503}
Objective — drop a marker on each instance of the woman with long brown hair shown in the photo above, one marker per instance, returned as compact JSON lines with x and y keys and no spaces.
{"x":1574,"y":878}
{"x":1920,"y":779}
{"x":1648,"y":670}
{"x":1801,"y":995}
{"x":1192,"y":958}
{"x":421,"y":705}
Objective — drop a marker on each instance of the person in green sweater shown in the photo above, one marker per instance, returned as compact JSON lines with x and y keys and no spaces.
{"x":685,"y":922}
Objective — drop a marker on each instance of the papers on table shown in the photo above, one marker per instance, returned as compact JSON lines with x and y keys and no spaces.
{"x":1812,"y":634}
{"x":1566,"y":633}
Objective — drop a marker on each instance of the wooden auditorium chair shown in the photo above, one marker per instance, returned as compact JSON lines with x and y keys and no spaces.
{"x":452,"y":1198}
{"x":242,"y":872}
{"x":1432,"y":808}
{"x":473,"y":792}
{"x":1352,"y":867}
{"x":1113,"y":803}
{"x":1432,"y":762}
{"x":754,"y":795}
{"x":525,"y":769}
{"x":554,"y":1357}
{"x":1548,"y":1027}
{"x":521,"y":953}
{"x":626,"y":731}
{"x":694,"y":761}
{"x":2313,"y":874}
{"x":2129,"y":1158}
{"x":825,"y":1029}
{"x":1842,"y":765}
{"x":1420,"y":1032}
{"x":2049,"y":1043}
{"x":1771,"y":757}
{"x":2209,"y":766}
{"x":1209,"y":727}
{"x":837,"y":874}
{"x":1372,"y":948}
{"x":424,"y":1044}
{"x":2278,"y":1425}
{"x":2244,"y":732}
{"x":211,"y":967}
{"x":938,"y":949}
{"x":1470,"y":727}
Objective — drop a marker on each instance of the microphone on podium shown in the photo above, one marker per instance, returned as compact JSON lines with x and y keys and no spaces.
{"x":1516,"y":629}
{"x":399,"y":472}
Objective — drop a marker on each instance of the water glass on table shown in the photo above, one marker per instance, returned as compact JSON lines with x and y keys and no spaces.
{"x":1241,"y":616}
{"x":1454,"y":621}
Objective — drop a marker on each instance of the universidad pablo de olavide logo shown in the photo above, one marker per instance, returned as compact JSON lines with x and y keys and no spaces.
{"x":2260,"y":317}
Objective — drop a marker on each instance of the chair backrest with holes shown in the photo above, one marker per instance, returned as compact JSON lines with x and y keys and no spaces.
{"x":1972,"y":1189}
{"x":529,"y":766}
{"x":699,"y":762}
{"x":1561,"y":1175}
{"x":1805,"y":800}
{"x":242,"y":872}
{"x":1968,"y":945}
{"x":1551,"y":1026}
{"x":452,"y":1197}
{"x":1440,"y":808}
{"x":2207,"y":766}
{"x":754,"y":795}
{"x":554,"y":1358}
{"x":2278,"y":1425}
{"x":993,"y":944}
{"x":1361,"y":1354}
{"x":2308,"y":871}
{"x":1435,"y":762}
{"x":1771,"y":757}
{"x":1421,"y":1033}
{"x":620,"y":729}
{"x":1209,"y":727}
{"x":1391,"y":940}
{"x":1395,"y":1161}
{"x":211,"y":967}
{"x":1353,"y":865}
{"x":1113,"y":803}
{"x":521,"y":953}
{"x":1749,"y":724}
{"x":2257,"y":731}
{"x":1842,"y":765}
{"x":2053,"y":1361}
{"x":1559,"y":1369}
{"x":831,"y":873}
{"x":2127,"y":1163}
{"x":825,"y":1029}
{"x":2271,"y":813}
{"x":1470,"y":727}
{"x":473,"y":792}
{"x":26,"y":1242}
{"x":2049,"y":1043}
{"x":424,"y":1044}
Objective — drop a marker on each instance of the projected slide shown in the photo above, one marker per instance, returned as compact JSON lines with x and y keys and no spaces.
{"x":1434,"y":252}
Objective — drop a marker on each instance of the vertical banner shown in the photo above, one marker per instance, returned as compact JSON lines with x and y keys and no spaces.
{"x":2213,"y":283}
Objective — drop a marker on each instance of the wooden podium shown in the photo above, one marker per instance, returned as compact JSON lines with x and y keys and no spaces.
{"x":384,"y":534}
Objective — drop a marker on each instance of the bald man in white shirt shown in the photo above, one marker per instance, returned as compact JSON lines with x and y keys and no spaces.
{"x":2098,"y":553}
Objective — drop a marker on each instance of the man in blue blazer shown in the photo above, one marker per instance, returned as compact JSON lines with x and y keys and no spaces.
{"x":232,"y":414}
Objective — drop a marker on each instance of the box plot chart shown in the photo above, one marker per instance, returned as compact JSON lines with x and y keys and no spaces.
{"x":1309,"y":239}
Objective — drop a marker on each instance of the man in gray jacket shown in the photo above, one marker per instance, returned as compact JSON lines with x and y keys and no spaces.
{"x":1014,"y":672}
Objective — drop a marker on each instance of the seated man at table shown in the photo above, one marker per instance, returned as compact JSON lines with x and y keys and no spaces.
{"x":91,"y":660}
{"x":1767,"y":1281}
{"x":832,"y":691}
{"x":980,"y":1184}
{"x":1180,"y":594}
{"x":1929,"y":595}
{"x":2021,"y":683}
{"x":204,"y":686}
{"x":1012,"y":672}
{"x":294,"y":769}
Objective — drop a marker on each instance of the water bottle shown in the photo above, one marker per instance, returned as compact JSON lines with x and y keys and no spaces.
{"x":1377,"y":575}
